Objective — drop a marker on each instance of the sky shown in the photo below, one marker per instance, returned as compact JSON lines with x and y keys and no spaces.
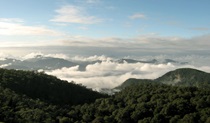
{"x":150,"y":29}
{"x":137,"y":25}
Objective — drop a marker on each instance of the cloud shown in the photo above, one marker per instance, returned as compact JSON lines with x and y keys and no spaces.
{"x":17,"y":20}
{"x":149,"y":42}
{"x":35,"y":54}
{"x":200,"y":29}
{"x":109,"y":74}
{"x":14,"y":26}
{"x":143,"y":41}
{"x":74,"y":14}
{"x":137,"y":16}
{"x":199,"y":42}
{"x":91,"y":58}
{"x":2,"y":59}
{"x":3,"y":56}
{"x":5,"y":65}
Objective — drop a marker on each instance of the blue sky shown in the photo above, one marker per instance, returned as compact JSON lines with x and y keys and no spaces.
{"x":178,"y":24}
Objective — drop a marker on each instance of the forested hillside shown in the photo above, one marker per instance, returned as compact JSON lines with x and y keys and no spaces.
{"x":46,"y":88}
{"x":186,"y":77}
{"x":16,"y":108}
{"x":132,"y":81}
{"x":180,"y":77}
{"x":148,"y":103}
{"x":142,"y":102}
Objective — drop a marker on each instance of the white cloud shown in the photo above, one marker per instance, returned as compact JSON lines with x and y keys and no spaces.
{"x":32,"y":55}
{"x":3,"y":56}
{"x":11,"y":26}
{"x":92,"y":58}
{"x":137,"y":16}
{"x":2,"y":59}
{"x":12,"y":20}
{"x":108,"y":74}
{"x":35,"y":54}
{"x":5,"y":65}
{"x":74,"y":14}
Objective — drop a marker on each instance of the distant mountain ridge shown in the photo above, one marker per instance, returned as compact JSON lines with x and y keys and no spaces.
{"x":153,"y":61}
{"x":46,"y":63}
{"x":179,"y":77}
{"x":51,"y":63}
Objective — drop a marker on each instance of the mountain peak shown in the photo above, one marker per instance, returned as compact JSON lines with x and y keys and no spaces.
{"x":178,"y":77}
{"x":185,"y":77}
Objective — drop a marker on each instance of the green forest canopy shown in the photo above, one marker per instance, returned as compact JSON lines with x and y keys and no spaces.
{"x":145,"y":102}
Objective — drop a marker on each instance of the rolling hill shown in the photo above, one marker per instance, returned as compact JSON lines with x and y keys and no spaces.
{"x":180,"y":77}
{"x":186,"y":77}
{"x":132,"y":81}
{"x":46,"y":88}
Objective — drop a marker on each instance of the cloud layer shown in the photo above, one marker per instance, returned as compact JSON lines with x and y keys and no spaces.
{"x":149,"y":42}
{"x":109,"y":74}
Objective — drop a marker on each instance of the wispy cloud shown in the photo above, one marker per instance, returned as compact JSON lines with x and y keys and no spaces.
{"x":137,"y":16}
{"x":74,"y":14}
{"x":135,"y":42}
{"x":17,"y":20}
{"x":200,"y":29}
{"x":11,"y":26}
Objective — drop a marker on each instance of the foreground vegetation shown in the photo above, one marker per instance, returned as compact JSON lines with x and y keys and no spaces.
{"x":145,"y":102}
{"x":46,"y":88}
{"x":148,"y":103}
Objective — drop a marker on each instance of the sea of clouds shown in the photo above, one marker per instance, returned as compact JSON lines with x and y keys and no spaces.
{"x":106,"y":72}
{"x":111,"y":74}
